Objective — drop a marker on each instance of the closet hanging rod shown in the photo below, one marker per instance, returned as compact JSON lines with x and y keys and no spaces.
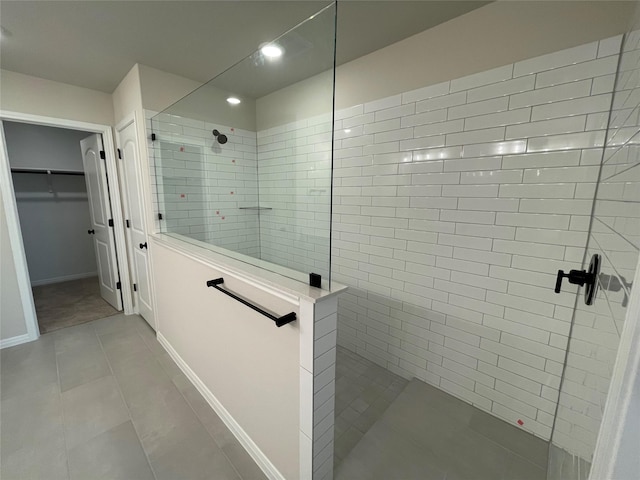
{"x":45,"y":171}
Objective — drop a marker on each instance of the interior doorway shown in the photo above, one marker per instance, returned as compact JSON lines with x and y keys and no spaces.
{"x":60,"y":195}
{"x":95,"y":276}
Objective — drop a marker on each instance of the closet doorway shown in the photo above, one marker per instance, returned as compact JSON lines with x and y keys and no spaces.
{"x":64,"y":201}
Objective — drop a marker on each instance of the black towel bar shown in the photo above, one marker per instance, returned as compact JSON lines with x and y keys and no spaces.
{"x":280,"y":321}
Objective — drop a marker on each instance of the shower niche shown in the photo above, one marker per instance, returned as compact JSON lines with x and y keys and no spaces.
{"x":243,"y":164}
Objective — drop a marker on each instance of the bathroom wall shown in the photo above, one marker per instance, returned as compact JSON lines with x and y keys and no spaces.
{"x":455,"y":205}
{"x":38,"y":96}
{"x":203,"y":184}
{"x":615,"y":236}
{"x":294,"y":178}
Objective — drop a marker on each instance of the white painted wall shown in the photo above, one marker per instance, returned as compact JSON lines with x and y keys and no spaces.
{"x":250,"y":365}
{"x":12,"y":322}
{"x":26,"y":94}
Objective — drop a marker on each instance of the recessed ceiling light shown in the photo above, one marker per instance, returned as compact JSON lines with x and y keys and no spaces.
{"x":233,"y":100}
{"x":271,"y":50}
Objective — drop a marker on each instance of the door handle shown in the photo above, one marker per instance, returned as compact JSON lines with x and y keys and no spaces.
{"x":143,"y":245}
{"x":581,"y":278}
{"x":91,"y":232}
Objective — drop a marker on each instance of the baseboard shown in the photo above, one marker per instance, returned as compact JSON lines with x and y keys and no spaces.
{"x":249,"y":445}
{"x":64,"y":278}
{"x":13,"y":341}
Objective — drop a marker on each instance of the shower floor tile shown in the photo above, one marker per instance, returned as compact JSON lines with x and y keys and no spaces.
{"x":425,"y":433}
{"x":364,"y":391}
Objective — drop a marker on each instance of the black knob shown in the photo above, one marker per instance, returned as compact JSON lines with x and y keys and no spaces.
{"x":582,"y":277}
{"x":143,"y":245}
{"x":91,"y":232}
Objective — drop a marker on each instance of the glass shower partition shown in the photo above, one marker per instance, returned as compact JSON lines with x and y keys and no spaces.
{"x":614,"y":235}
{"x":243,"y":164}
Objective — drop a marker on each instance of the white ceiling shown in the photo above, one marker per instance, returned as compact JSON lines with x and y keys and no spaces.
{"x":93,"y":44}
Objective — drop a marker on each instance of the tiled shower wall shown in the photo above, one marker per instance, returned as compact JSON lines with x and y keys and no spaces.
{"x":203,"y":184}
{"x":294,"y":163}
{"x":454,"y":207}
{"x":615,"y":236}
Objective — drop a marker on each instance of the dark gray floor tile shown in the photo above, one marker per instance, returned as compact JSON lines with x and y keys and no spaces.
{"x":383,"y":454}
{"x":209,"y":418}
{"x":518,"y":441}
{"x":30,"y":419}
{"x":242,"y":461}
{"x":81,"y":365}
{"x":113,"y":455}
{"x":347,"y":441}
{"x":74,"y":338}
{"x":115,"y":323}
{"x":28,"y":369}
{"x":149,"y":336}
{"x":92,"y":409}
{"x":45,"y":460}
{"x":564,"y":466}
{"x":468,"y":455}
{"x":520,"y":469}
{"x":169,"y":366}
{"x":122,"y":344}
{"x":187,"y":451}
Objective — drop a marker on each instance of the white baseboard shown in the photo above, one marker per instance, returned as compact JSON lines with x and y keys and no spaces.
{"x":64,"y":278}
{"x":13,"y":341}
{"x":252,"y":449}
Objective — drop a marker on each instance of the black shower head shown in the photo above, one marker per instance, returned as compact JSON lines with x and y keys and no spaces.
{"x":221,"y":137}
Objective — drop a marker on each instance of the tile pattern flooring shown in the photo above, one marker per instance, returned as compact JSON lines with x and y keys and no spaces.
{"x":364,"y":391}
{"x":103,"y":400}
{"x":428,"y":434}
{"x":64,"y":304}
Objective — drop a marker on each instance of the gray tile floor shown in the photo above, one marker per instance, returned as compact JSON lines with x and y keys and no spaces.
{"x":364,"y":391}
{"x":103,"y":400}
{"x":428,"y":434}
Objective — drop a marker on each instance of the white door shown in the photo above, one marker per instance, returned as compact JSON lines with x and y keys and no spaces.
{"x":136,"y":231}
{"x":100,"y":208}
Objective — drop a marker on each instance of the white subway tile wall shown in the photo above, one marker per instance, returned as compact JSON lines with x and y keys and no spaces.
{"x":201,"y":186}
{"x":454,"y":206}
{"x":294,"y":165}
{"x":615,"y":236}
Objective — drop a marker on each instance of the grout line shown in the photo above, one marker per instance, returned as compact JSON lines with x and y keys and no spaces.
{"x":135,"y":429}
{"x":64,"y":433}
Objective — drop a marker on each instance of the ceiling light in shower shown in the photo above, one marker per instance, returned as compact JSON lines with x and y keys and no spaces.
{"x":271,"y":50}
{"x":233,"y":100}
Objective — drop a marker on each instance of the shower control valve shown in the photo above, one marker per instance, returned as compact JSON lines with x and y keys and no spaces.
{"x":582,"y":277}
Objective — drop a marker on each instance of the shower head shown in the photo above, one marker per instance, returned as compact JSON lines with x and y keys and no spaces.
{"x":220,"y":137}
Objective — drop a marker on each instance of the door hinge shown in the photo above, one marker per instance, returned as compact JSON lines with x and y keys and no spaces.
{"x":111,"y":222}
{"x":153,"y":137}
{"x":135,"y":287}
{"x":128,"y":224}
{"x":118,"y":285}
{"x":159,"y":216}
{"x":119,"y":154}
{"x":102,"y":155}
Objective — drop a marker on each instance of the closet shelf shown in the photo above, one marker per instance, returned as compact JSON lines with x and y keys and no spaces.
{"x":46,"y":171}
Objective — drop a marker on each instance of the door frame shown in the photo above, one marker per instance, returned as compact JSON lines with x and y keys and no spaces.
{"x":13,"y":223}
